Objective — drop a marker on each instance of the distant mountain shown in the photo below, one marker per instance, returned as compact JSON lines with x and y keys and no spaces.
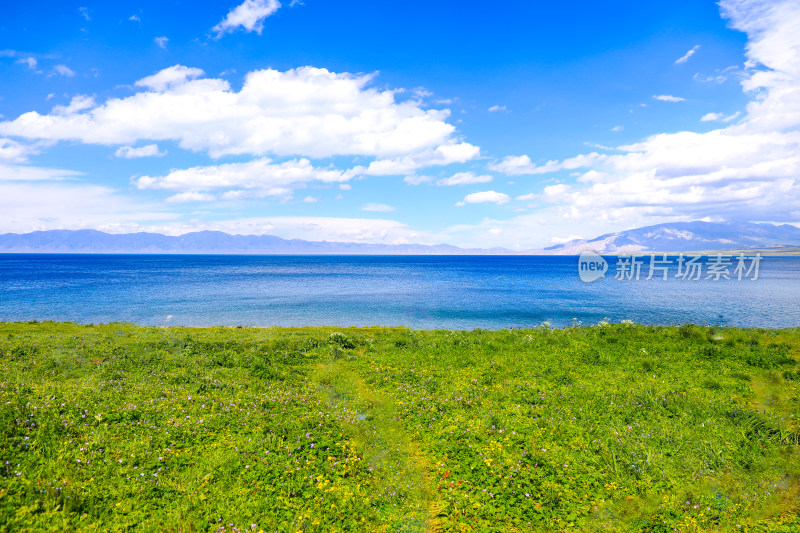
{"x":685,"y":237}
{"x":209,"y":242}
{"x":670,"y":237}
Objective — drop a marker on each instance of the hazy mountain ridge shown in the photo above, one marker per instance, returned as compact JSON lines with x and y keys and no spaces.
{"x":669,"y":237}
{"x":209,"y":242}
{"x":684,"y":237}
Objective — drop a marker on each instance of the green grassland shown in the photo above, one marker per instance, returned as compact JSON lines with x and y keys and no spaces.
{"x":613,"y":427}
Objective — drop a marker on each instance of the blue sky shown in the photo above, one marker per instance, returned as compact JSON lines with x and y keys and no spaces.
{"x":517,"y":124}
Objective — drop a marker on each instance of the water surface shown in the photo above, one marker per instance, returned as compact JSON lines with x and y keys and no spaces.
{"x":423,"y":292}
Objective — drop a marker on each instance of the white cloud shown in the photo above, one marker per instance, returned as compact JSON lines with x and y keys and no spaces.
{"x":527,"y":197}
{"x":377,"y":207}
{"x":617,"y":128}
{"x":422,"y":93}
{"x":685,"y":57}
{"x":77,"y":104}
{"x":129,"y":152}
{"x":496,"y":108}
{"x":556,"y":192}
{"x":732,"y":117}
{"x":513,"y":165}
{"x":720,"y":75}
{"x":85,"y":12}
{"x":668,"y":98}
{"x":333,"y":229}
{"x":248,"y":15}
{"x":63,"y":70}
{"x":485,"y":197}
{"x":598,"y":146}
{"x":37,"y":198}
{"x":417,"y":180}
{"x":307,"y":111}
{"x":134,"y":18}
{"x":464,"y":178}
{"x":445,"y":154}
{"x":344,"y":186}
{"x":15,"y":152}
{"x":711,"y":116}
{"x":25,"y":173}
{"x":310,"y":199}
{"x":520,"y":165}
{"x":161,"y":42}
{"x":191,"y":196}
{"x":169,"y":78}
{"x":31,"y":62}
{"x":749,"y":170}
{"x":257,"y":179}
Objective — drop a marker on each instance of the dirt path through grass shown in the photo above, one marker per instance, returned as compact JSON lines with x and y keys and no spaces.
{"x":403,"y":488}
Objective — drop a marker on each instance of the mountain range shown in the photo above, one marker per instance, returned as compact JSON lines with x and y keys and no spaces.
{"x":209,"y":242}
{"x":686,"y":237}
{"x":669,"y":237}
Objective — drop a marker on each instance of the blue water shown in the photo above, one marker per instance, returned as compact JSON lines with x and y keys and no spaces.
{"x":423,"y":292}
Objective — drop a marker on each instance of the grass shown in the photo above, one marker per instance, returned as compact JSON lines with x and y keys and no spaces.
{"x":614,"y":427}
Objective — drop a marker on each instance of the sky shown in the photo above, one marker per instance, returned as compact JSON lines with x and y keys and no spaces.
{"x":514,"y":123}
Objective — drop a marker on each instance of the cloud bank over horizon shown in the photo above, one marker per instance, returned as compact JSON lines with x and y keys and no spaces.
{"x":202,"y":151}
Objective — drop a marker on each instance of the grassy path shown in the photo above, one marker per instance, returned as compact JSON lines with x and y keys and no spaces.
{"x":403,"y":488}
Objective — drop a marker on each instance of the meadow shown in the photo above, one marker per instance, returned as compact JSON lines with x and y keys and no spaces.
{"x":611,"y":427}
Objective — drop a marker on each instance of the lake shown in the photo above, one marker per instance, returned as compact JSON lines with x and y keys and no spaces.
{"x":422,"y":292}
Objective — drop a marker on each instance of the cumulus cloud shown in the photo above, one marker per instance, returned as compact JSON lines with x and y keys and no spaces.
{"x":513,"y":165}
{"x":248,"y":15}
{"x":668,"y":98}
{"x":464,"y":178}
{"x":129,"y":152}
{"x":522,"y":164}
{"x":307,"y":111}
{"x":496,"y":108}
{"x":258,"y":178}
{"x":191,"y":196}
{"x":441,"y":155}
{"x":485,"y":197}
{"x":13,"y":151}
{"x":77,"y":103}
{"x":685,"y":57}
{"x":744,"y":171}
